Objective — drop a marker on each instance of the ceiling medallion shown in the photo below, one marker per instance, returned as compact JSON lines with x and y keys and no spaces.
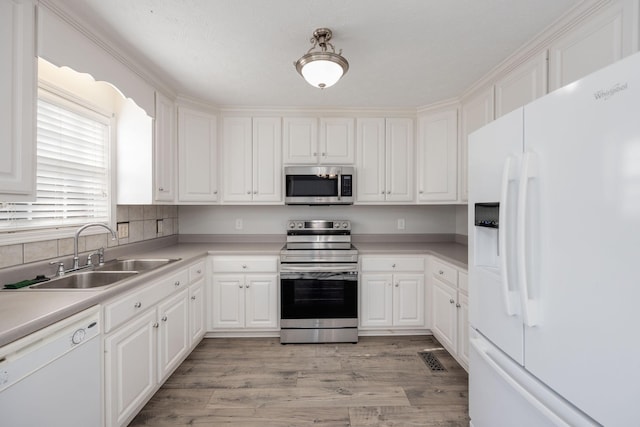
{"x":322,"y":68}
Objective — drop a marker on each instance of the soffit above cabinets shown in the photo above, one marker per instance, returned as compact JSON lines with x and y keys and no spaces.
{"x":402,"y":54}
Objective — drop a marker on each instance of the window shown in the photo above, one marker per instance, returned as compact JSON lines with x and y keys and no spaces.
{"x":72,"y":179}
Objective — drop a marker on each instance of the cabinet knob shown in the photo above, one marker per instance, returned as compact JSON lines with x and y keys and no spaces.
{"x":393,"y":265}
{"x":244,"y":265}
{"x":177,"y":283}
{"x":164,"y":318}
{"x":441,"y":272}
{"x":215,"y":192}
{"x":156,"y":324}
{"x":241,"y":286}
{"x":388,"y":192}
{"x":451,"y":301}
{"x":193,"y":297}
{"x":382,"y":192}
{"x":255,"y":192}
{"x":315,"y":154}
{"x":458,"y":305}
{"x":247,"y":286}
{"x":324,"y":154}
{"x":397,"y":285}
{"x":160,"y":189}
{"x":248,"y":192}
{"x":421,"y":192}
{"x":199,"y":271}
{"x":138,"y":304}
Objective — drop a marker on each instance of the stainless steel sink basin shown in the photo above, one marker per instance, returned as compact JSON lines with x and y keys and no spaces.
{"x":135,"y":264}
{"x":85,"y":280}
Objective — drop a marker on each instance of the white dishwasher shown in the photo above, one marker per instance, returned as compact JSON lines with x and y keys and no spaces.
{"x":53,"y":376}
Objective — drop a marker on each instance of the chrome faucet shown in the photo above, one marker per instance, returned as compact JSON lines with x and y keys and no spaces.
{"x":76,"y":263}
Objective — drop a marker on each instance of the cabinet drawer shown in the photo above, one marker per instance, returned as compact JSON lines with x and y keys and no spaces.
{"x":245,"y":265}
{"x":445,"y":272}
{"x":128,"y":306}
{"x":196,"y":271}
{"x":463,"y":281}
{"x":391,"y":264}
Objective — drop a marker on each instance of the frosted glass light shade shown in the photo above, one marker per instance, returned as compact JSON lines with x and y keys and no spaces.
{"x":322,"y":69}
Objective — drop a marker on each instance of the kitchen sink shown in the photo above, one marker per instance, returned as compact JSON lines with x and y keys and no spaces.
{"x":137,"y":264}
{"x":85,"y":280}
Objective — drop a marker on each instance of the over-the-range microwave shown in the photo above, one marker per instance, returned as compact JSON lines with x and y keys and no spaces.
{"x":319,"y":185}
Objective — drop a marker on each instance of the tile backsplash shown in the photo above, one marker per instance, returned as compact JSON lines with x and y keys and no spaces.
{"x":143,"y":223}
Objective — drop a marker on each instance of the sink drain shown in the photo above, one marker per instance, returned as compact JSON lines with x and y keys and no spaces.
{"x":431,"y":361}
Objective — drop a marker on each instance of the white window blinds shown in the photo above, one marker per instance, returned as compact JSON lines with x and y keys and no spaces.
{"x":73,"y":184}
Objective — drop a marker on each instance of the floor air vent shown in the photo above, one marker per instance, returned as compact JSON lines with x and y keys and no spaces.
{"x":431,"y":361}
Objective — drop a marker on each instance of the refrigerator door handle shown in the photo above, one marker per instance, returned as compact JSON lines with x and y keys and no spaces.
{"x":503,"y":236}
{"x":529,"y":305}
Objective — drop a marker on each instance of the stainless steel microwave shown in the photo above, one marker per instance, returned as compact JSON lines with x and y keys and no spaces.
{"x":319,"y":185}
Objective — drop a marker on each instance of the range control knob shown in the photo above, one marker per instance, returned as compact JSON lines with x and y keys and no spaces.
{"x":292,"y":224}
{"x":299,"y":225}
{"x":336,"y":224}
{"x":78,"y":336}
{"x":345,"y":225}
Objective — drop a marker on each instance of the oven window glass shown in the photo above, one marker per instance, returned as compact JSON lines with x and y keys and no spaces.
{"x":311,"y":186}
{"x":319,"y":299}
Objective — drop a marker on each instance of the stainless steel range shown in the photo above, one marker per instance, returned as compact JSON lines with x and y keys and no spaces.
{"x":318,"y":283}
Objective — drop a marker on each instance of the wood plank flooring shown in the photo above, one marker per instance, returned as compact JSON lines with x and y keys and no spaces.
{"x":258,"y":382}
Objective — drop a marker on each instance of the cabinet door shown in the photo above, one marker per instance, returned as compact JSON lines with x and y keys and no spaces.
{"x":261,"y":301}
{"x":173,"y":339}
{"x":300,"y":143}
{"x":522,"y":85}
{"x":165,"y":150}
{"x":476,"y":112}
{"x":237,"y":147}
{"x":197,"y":156}
{"x":399,"y":160}
{"x":606,"y":37}
{"x":130,"y":367}
{"x":444,"y":314}
{"x":196,"y":312}
{"x":376,"y":302}
{"x":228,"y":301}
{"x":438,"y":156}
{"x":463,"y":328}
{"x":370,"y":160}
{"x":408,"y":300}
{"x":18,"y":75}
{"x":267,"y":159}
{"x":336,"y":144}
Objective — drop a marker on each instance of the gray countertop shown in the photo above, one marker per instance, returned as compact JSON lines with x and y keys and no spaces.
{"x":26,"y":310}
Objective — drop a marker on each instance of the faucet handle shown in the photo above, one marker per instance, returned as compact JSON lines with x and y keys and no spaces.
{"x":59,"y":268}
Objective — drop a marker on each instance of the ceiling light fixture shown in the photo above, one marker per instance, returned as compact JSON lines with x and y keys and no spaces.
{"x":322,"y":68}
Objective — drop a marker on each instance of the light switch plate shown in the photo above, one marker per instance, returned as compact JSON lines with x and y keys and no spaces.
{"x":123,"y":230}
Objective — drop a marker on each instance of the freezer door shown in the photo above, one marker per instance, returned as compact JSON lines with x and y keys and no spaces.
{"x":581,"y":250}
{"x":495,"y":152}
{"x":505,"y":395}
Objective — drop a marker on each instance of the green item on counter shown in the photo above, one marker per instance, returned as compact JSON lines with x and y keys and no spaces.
{"x":25,"y":283}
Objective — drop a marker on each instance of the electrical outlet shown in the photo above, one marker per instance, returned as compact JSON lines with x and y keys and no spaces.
{"x":239,"y":224}
{"x":123,"y":230}
{"x":159,"y":226}
{"x":400,"y":223}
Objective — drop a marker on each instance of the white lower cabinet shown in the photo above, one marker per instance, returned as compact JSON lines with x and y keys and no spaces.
{"x":150,"y":331}
{"x":392,"y":292}
{"x":244,"y":293}
{"x":450,"y":309}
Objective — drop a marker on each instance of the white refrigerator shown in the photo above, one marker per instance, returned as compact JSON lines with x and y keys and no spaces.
{"x":554,"y":258}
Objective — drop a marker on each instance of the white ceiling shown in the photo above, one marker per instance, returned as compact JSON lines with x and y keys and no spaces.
{"x":402,"y":53}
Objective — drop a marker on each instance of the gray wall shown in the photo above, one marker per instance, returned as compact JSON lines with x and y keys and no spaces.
{"x":272,"y":219}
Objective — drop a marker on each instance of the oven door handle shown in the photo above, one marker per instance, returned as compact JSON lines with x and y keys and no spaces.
{"x":314,"y":268}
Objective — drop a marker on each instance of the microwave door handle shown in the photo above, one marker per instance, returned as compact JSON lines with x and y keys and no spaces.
{"x":339,"y":185}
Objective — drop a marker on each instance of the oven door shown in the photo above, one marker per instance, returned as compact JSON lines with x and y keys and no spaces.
{"x":307,"y":297}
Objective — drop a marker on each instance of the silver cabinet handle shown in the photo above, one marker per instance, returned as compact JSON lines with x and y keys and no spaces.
{"x":177,"y":283}
{"x":138,"y":304}
{"x":458,"y":305}
{"x":451,"y":301}
{"x":193,"y":297}
{"x":156,"y":324}
{"x":164,"y":318}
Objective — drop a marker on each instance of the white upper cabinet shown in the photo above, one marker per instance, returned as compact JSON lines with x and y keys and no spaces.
{"x":252,"y":159}
{"x":438,"y":156}
{"x":385,"y":171}
{"x":303,"y":147}
{"x":165,"y":150}
{"x":477,"y":111}
{"x":18,"y":74}
{"x":336,"y":145}
{"x":522,"y":85}
{"x":604,"y":38}
{"x":197,"y":156}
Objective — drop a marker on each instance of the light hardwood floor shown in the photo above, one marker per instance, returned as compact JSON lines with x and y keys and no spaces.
{"x":258,"y":382}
